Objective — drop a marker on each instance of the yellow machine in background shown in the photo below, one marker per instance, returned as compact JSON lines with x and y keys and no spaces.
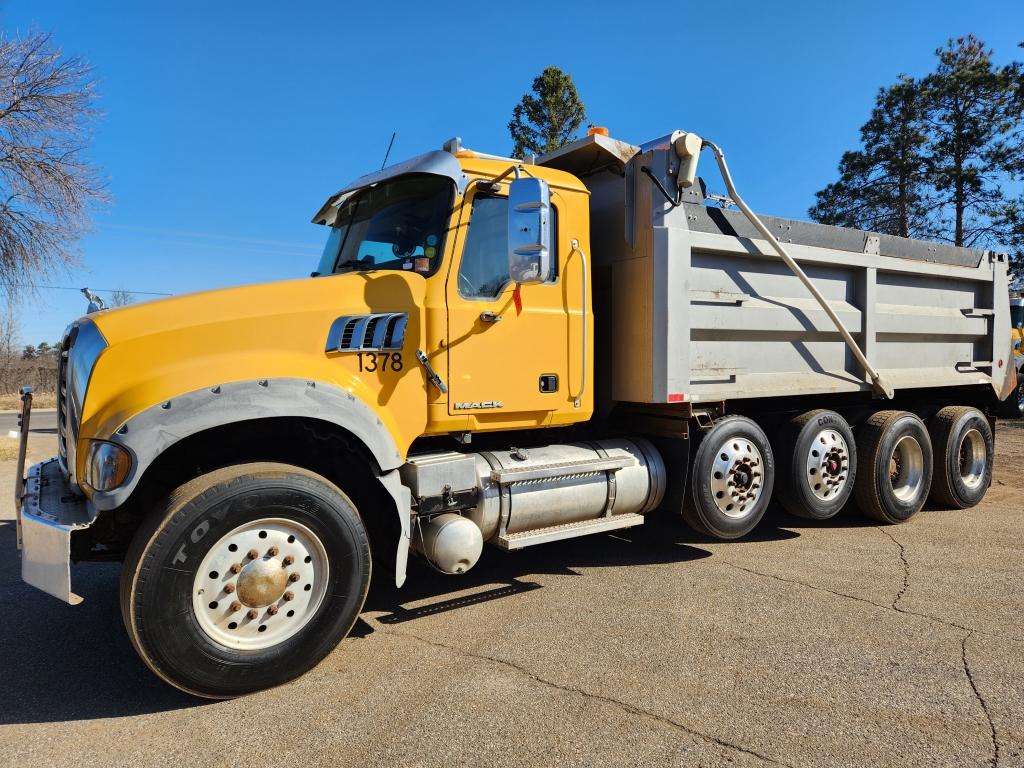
{"x":494,"y":351}
{"x":1013,"y":406}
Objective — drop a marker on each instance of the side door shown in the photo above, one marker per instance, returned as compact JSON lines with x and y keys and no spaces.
{"x":507,"y":350}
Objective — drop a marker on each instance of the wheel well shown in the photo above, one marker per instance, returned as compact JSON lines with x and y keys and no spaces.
{"x":316,"y":445}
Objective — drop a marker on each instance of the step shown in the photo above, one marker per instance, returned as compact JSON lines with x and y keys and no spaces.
{"x":568,"y":531}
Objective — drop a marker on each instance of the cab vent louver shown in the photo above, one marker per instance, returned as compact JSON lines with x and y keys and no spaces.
{"x":362,"y":333}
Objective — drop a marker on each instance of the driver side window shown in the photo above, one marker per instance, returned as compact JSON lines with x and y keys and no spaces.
{"x":483,"y":272}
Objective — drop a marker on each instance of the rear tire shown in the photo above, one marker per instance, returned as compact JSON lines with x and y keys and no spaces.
{"x":732,"y":477}
{"x":244,"y":547}
{"x":964,"y":449}
{"x":820,"y":465}
{"x":895,"y":472}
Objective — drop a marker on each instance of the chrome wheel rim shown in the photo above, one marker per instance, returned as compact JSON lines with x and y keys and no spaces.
{"x":906,"y":468}
{"x":260,"y":584}
{"x":736,"y":479}
{"x":827,"y":468}
{"x":972,"y":458}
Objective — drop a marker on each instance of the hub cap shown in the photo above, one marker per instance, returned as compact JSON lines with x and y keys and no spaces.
{"x":906,"y":469}
{"x":260,"y":584}
{"x":736,"y":480}
{"x":972,"y":458}
{"x":827,"y":468}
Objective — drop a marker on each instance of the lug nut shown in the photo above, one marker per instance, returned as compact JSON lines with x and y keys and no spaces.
{"x":294,"y":577}
{"x":253,"y":554}
{"x":236,"y":567}
{"x":272,"y":610}
{"x":288,"y":560}
{"x":272,"y":552}
{"x":289,"y":595}
{"x":229,"y":588}
{"x":236,"y":607}
{"x":253,"y":614}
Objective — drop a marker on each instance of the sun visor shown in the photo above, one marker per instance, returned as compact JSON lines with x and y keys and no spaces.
{"x":436,"y":163}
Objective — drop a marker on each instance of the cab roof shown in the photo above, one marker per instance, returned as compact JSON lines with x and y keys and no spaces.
{"x":453,"y":162}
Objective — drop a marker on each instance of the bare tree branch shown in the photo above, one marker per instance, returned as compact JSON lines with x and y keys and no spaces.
{"x":48,"y":188}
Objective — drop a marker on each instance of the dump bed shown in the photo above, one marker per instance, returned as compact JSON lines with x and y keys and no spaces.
{"x":692,"y":305}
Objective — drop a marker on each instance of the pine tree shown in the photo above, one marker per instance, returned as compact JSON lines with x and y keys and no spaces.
{"x":549,"y":117}
{"x":971,"y":114}
{"x":883,"y":186}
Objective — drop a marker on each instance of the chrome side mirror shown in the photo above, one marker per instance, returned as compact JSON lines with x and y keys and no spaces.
{"x":529,"y":230}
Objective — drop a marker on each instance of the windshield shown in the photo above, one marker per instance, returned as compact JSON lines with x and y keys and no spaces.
{"x":1016,"y":315}
{"x":398,"y":224}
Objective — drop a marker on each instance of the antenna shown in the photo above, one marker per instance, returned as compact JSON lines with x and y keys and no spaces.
{"x":388,"y":153}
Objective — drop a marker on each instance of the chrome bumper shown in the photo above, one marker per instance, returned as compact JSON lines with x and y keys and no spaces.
{"x":49,"y":510}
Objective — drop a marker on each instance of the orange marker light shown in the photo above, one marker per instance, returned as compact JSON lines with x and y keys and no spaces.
{"x":597,"y":130}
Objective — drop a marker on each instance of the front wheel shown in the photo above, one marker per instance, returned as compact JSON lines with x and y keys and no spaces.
{"x":246,"y":578}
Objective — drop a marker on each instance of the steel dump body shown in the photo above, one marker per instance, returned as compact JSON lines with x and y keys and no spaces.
{"x":693,"y":305}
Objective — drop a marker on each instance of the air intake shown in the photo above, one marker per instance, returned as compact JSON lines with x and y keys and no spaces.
{"x":367,"y":333}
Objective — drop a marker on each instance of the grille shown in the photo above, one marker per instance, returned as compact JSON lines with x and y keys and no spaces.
{"x":360,"y":333}
{"x":62,"y":404}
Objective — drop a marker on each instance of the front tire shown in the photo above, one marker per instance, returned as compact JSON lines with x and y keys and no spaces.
{"x":733,"y":474}
{"x":245,"y":579}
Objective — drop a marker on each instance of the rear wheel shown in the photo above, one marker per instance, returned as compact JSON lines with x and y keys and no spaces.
{"x":246,"y":578}
{"x":964,"y":447}
{"x":733,"y":473}
{"x":895,"y":472}
{"x":820,"y":465}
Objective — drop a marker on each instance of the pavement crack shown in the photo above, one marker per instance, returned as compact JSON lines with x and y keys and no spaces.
{"x":799,"y":583}
{"x":883,"y":606}
{"x":994,"y":760}
{"x":630,"y":708}
{"x":906,"y":568}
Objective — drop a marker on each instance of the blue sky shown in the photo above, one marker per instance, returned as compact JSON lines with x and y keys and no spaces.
{"x":227,"y":124}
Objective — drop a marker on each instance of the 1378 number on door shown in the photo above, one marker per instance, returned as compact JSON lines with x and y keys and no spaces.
{"x":371,"y":362}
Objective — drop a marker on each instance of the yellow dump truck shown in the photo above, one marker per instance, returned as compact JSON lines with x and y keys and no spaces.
{"x":503,"y":352}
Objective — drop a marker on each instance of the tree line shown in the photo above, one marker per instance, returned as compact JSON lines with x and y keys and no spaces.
{"x":939,"y":156}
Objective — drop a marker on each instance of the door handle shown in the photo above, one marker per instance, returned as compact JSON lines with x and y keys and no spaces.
{"x":489,"y":317}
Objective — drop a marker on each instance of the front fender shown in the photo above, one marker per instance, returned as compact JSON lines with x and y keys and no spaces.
{"x":151,"y":432}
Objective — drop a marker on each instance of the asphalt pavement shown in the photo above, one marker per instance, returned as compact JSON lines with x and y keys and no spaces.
{"x":41,"y":421}
{"x":825,"y":644}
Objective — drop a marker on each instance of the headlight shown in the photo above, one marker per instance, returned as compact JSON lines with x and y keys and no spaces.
{"x":107,"y":466}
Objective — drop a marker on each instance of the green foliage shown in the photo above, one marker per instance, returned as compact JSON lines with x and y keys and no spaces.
{"x":972,"y":112}
{"x":939,"y":155}
{"x":883,"y":187}
{"x":547,"y":118}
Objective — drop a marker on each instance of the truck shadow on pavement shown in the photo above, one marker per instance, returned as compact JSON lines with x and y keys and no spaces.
{"x":62,"y":662}
{"x":663,"y":539}
{"x":66,"y":663}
